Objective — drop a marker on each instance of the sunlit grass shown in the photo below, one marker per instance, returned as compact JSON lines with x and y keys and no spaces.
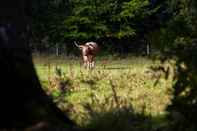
{"x":116,"y":86}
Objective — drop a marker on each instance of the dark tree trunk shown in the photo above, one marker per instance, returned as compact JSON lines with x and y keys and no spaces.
{"x":23,"y":103}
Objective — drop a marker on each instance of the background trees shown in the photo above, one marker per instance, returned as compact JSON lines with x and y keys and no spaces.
{"x":120,"y":26}
{"x":114,"y":24}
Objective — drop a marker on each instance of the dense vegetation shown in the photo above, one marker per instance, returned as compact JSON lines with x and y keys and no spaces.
{"x":119,"y":26}
{"x":127,"y":26}
{"x":150,"y":93}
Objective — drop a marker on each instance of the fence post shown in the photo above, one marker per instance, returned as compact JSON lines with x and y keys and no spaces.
{"x":148,"y":48}
{"x":57,"y":50}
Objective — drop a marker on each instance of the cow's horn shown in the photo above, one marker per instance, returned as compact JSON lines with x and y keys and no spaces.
{"x":76,"y":43}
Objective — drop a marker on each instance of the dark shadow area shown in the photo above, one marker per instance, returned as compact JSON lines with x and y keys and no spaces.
{"x":182,"y":110}
{"x":184,"y":103}
{"x":123,"y":119}
{"x":24,"y":105}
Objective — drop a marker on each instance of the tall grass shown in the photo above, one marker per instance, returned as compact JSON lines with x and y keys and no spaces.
{"x":118,"y":94}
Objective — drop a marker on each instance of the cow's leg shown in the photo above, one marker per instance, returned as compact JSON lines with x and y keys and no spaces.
{"x":93,"y":64}
{"x":85,"y":61}
{"x":89,"y":62}
{"x":91,"y":59}
{"x":89,"y":65}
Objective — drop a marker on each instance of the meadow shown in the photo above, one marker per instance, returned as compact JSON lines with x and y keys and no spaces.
{"x":119,"y":94}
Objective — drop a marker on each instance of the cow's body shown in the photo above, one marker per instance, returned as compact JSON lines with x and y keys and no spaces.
{"x":88,"y":51}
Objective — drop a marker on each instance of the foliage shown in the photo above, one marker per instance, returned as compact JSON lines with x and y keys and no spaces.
{"x":46,"y":20}
{"x":169,"y":25}
{"x":64,"y":21}
{"x":178,"y":40}
{"x":179,"y":29}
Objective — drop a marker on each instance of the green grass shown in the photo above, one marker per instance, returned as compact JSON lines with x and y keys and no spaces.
{"x":118,"y":94}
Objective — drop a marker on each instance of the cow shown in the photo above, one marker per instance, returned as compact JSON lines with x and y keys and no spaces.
{"x":88,"y":52}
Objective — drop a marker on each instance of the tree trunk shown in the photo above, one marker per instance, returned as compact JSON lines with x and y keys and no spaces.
{"x":24,"y":105}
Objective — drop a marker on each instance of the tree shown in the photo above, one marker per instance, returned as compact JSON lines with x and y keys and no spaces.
{"x":176,"y":38}
{"x":24,"y":105}
{"x":64,"y":21}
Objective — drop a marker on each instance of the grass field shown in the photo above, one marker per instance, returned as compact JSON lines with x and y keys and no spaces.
{"x":119,"y":94}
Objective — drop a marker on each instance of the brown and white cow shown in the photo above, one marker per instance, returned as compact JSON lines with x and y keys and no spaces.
{"x":88,"y":51}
